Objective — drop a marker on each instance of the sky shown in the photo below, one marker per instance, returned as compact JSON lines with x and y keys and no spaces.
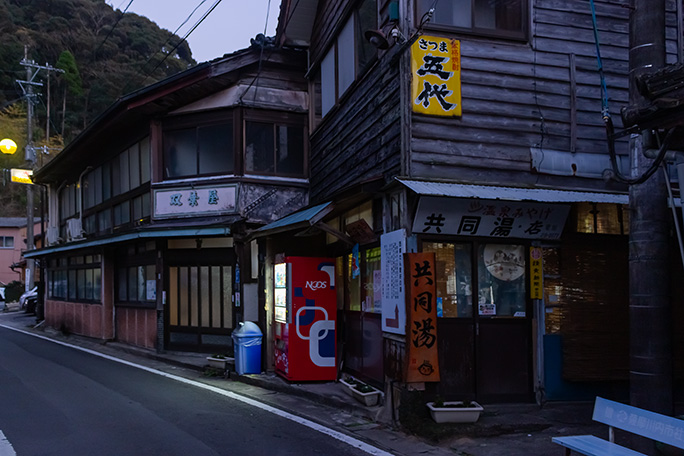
{"x":226,"y":29}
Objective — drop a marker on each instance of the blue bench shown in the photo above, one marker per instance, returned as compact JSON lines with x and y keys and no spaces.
{"x":654,"y":426}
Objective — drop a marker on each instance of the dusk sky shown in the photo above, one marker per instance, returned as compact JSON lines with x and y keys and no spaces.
{"x":228,"y":28}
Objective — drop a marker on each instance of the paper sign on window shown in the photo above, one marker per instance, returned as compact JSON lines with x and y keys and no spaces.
{"x":436,"y":76}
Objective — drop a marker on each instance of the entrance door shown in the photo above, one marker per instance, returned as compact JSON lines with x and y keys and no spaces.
{"x":200,"y":308}
{"x":484,"y":323}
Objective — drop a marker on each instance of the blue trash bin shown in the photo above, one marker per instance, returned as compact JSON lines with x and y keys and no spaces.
{"x":247,"y":344}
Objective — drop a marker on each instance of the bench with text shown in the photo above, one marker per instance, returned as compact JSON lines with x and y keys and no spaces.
{"x":651,"y":425}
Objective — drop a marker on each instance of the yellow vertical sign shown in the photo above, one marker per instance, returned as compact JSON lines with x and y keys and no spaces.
{"x":536,"y":273}
{"x":436,"y":76}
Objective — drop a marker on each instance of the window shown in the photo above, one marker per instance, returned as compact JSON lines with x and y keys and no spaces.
{"x":349,"y":57}
{"x":136,"y":284}
{"x":198,"y":150}
{"x":6,"y":242}
{"x":79,"y":280}
{"x":601,"y":218}
{"x":504,"y":18}
{"x":271,"y":148}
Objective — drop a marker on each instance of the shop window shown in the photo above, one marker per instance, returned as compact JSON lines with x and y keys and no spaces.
{"x":454,"y":281}
{"x":136,"y":284}
{"x":275,"y":149}
{"x":78,"y":279}
{"x":501,"y":280}
{"x":498,"y":18}
{"x":198,"y":150}
{"x":601,"y":218}
{"x":371,"y":289}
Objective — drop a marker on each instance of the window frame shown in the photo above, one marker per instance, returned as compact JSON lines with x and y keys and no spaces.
{"x":522,"y":35}
{"x":67,"y":278}
{"x":276,"y":120}
{"x":196,"y":122}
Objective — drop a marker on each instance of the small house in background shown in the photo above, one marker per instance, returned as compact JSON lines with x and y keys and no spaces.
{"x":12,"y":245}
{"x":149,"y":206}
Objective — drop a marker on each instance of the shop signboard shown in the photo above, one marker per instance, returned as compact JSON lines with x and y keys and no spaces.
{"x":195,"y":201}
{"x":536,"y":273}
{"x":421,"y":348}
{"x":490,"y":218}
{"x":436,"y":76}
{"x":392,"y":249}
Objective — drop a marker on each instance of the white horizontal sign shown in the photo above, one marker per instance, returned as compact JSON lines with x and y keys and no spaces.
{"x":490,"y":218}
{"x":175,"y":202}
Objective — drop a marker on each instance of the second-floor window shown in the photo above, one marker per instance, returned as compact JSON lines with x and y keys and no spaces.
{"x":497,"y":18}
{"x":199,"y":149}
{"x":272,"y":148}
{"x":349,"y":57}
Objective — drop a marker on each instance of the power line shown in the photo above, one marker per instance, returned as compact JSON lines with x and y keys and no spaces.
{"x":149,"y":73}
{"x":112,"y":29}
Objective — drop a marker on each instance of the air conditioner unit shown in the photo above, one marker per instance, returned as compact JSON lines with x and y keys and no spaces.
{"x":53,"y":235}
{"x":74,"y":230}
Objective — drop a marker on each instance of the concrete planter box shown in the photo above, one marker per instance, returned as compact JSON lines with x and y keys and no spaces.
{"x":454,"y":412}
{"x":368,"y":399}
{"x":217,"y":363}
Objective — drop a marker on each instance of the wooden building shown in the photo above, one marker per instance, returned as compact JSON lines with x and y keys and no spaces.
{"x":149,"y":205}
{"x":473,"y":132}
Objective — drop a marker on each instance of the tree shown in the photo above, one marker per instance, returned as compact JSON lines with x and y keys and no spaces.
{"x":71,"y":77}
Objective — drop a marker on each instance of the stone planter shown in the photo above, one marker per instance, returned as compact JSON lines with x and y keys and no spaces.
{"x":217,"y":363}
{"x":455,"y":412}
{"x":368,"y":399}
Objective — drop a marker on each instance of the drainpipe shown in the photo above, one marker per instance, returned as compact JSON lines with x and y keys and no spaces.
{"x":80,"y":197}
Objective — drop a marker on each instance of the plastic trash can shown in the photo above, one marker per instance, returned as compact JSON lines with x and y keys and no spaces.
{"x":247,"y":344}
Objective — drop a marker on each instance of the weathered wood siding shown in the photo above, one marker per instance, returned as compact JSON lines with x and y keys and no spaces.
{"x":360,"y":140}
{"x":520,"y":95}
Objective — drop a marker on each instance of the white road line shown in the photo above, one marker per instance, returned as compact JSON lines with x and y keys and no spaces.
{"x":351,"y":441}
{"x":6,"y":448}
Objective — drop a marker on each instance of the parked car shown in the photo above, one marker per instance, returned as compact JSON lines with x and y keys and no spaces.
{"x":28,"y":300}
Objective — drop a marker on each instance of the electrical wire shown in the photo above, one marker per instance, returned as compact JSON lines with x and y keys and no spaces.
{"x":197,"y":24}
{"x":112,"y":29}
{"x":144,"y":65}
{"x":610,"y":128}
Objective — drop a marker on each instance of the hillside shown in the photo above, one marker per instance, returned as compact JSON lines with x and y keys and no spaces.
{"x":105,"y":53}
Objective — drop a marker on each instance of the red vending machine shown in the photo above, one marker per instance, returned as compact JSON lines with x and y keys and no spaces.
{"x":305,"y":313}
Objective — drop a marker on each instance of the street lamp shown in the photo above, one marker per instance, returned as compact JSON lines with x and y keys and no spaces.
{"x":7,"y":146}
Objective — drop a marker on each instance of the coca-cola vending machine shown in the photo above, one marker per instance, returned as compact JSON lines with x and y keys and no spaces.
{"x":305,"y":316}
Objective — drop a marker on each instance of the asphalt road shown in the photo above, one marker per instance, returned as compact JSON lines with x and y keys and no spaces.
{"x":55,"y":400}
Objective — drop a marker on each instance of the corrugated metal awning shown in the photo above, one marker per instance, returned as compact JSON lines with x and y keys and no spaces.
{"x":510,"y":193}
{"x":148,"y":234}
{"x":304,"y":218}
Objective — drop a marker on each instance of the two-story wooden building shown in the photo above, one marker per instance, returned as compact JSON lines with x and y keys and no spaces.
{"x":470,"y":129}
{"x":149,"y":205}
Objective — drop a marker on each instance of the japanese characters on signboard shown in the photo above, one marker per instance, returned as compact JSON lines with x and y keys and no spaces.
{"x":436,"y":76}
{"x":492,"y":218}
{"x":423,"y":362}
{"x":536,"y":269}
{"x":195,"y":201}
{"x":393,"y":247}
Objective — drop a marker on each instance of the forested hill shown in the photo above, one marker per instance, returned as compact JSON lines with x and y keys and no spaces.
{"x":105,"y":53}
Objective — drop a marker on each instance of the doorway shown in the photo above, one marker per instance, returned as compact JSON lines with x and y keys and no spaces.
{"x":484,"y":322}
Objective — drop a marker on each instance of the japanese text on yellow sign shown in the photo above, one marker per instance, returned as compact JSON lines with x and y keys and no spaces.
{"x":21,"y":176}
{"x":536,"y":271}
{"x":436,"y":82}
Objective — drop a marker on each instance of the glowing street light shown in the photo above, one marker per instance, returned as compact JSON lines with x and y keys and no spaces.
{"x":7,"y":146}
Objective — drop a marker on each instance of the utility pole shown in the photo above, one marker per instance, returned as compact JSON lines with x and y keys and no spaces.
{"x":27,"y":87}
{"x":650,"y":310}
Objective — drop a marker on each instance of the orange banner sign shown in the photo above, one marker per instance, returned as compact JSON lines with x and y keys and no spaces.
{"x":421,"y":332}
